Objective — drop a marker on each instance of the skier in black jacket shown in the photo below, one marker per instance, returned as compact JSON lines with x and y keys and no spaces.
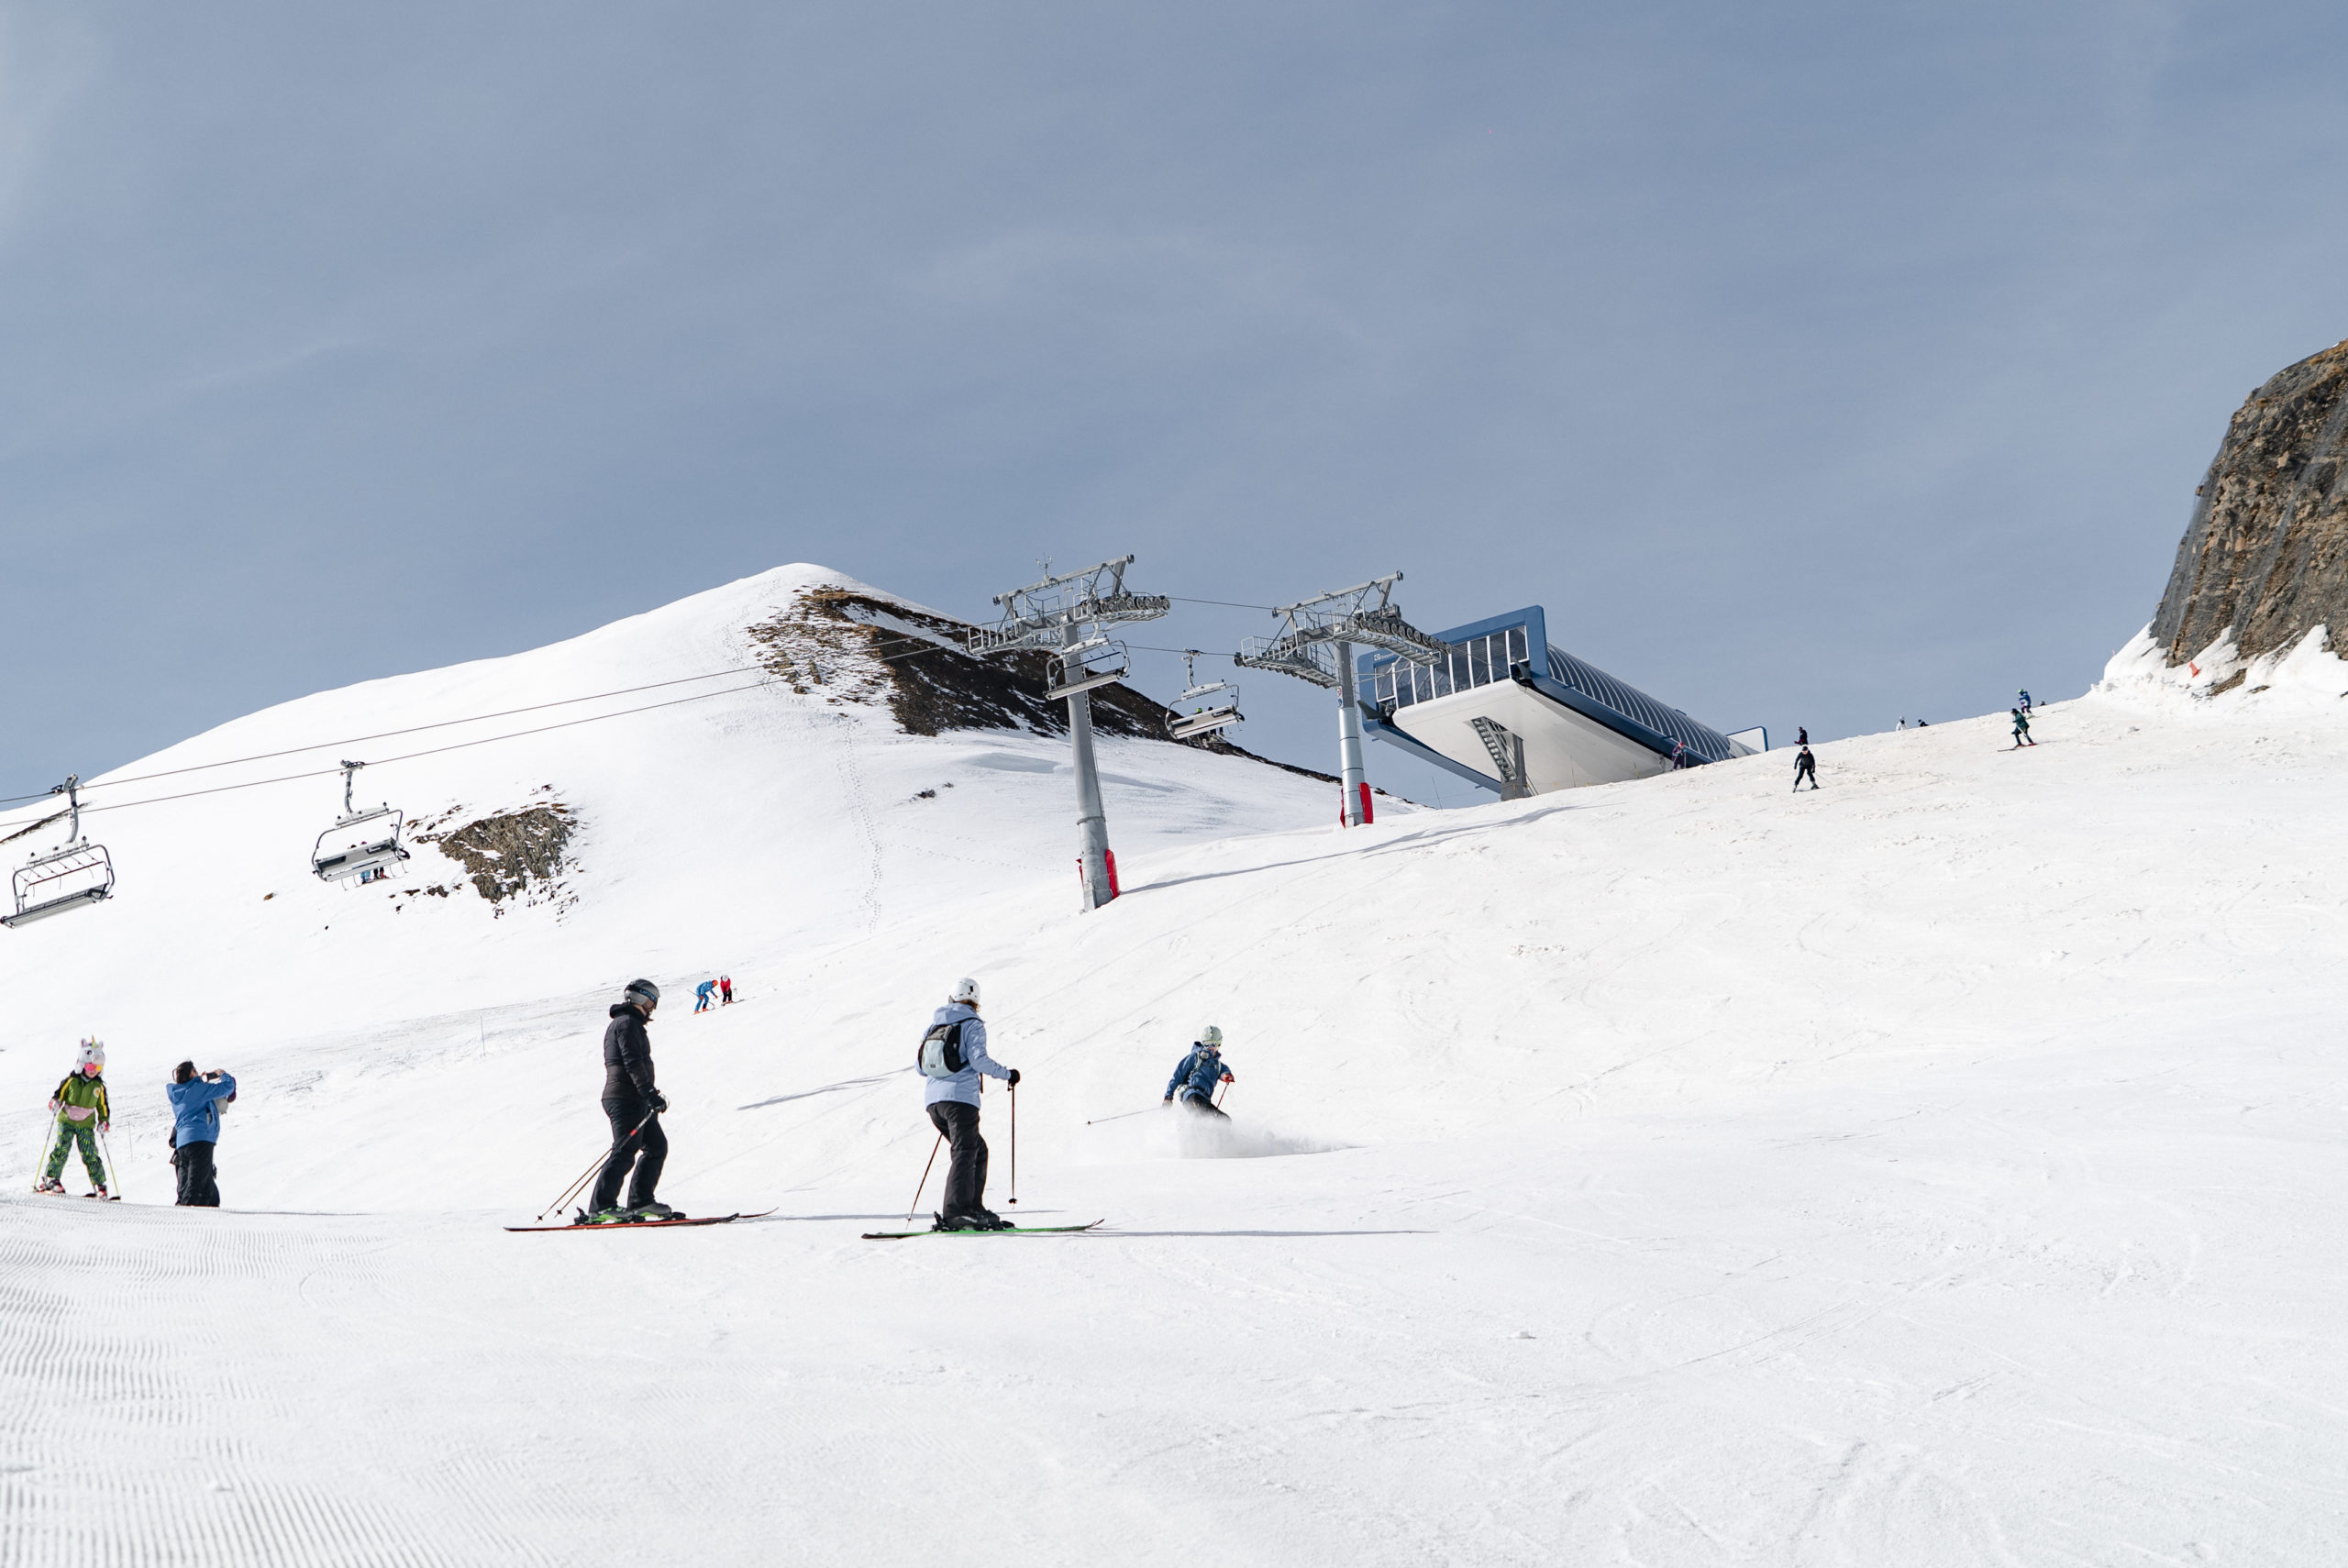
{"x":634,"y":1105}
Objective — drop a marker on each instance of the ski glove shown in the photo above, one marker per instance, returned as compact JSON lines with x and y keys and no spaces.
{"x":659,"y":1103}
{"x":1012,"y":1077}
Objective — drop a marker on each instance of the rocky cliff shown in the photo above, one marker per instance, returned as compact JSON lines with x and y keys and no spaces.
{"x":2266,"y":553}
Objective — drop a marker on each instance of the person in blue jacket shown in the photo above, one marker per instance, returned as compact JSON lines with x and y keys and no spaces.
{"x":196,"y":1101}
{"x":1197,"y":1075}
{"x":702,"y":1001}
{"x":957,"y":1034}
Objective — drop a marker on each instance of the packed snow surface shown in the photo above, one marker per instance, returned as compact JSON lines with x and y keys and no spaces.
{"x":1934,"y":1169}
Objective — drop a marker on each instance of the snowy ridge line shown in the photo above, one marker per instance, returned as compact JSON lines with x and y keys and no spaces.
{"x":9,"y":829}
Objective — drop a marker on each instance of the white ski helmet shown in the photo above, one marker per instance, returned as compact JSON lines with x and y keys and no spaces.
{"x":93,"y":1053}
{"x":966,"y":990}
{"x":1212,"y":1036}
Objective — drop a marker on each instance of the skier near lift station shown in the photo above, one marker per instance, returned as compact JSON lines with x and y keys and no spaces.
{"x":701,"y":995}
{"x":2022,"y":731}
{"x":1805,"y":766}
{"x":1197,"y":1074}
{"x":639,"y":1148}
{"x":80,"y":1107}
{"x":197,"y":1099}
{"x":953,"y":1063}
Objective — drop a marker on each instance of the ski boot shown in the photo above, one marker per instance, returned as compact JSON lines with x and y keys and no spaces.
{"x":655,"y":1210}
{"x":977,"y":1220}
{"x":608,"y":1217}
{"x":100,"y":1192}
{"x":48,"y":1184}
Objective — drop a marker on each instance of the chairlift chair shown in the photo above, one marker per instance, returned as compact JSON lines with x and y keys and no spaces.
{"x":361,"y":842}
{"x":1096,"y":661}
{"x":1214,"y":706}
{"x":71,"y":878}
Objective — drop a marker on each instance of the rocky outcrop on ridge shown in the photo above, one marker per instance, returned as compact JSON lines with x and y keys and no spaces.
{"x":2266,"y":553}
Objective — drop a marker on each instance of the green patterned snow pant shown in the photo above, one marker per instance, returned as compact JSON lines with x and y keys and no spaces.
{"x":68,"y":1135}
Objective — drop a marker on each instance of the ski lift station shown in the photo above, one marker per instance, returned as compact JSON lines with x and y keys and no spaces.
{"x":1505,"y":709}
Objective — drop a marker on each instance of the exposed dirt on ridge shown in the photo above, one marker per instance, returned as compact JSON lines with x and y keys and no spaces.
{"x":853,"y":648}
{"x":518,"y":856}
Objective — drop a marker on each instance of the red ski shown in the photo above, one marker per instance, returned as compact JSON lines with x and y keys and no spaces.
{"x":646,"y":1224}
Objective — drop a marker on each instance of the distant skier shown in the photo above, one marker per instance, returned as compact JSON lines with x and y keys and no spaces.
{"x":80,"y":1107}
{"x":197,"y":1099}
{"x":1197,"y":1074}
{"x":725,"y":990}
{"x":2026,"y":699}
{"x":701,"y":995}
{"x":1679,"y":755}
{"x":1805,"y":766}
{"x":1801,"y":735}
{"x":2022,"y":731}
{"x":952,"y":1059}
{"x":639,"y":1148}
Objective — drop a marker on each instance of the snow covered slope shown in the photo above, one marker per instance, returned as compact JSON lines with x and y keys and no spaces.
{"x":1933,"y":1169}
{"x":749,"y":815}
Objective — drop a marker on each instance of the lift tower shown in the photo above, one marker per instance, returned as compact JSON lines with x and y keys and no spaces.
{"x":1065,"y":617}
{"x":1316,"y":644}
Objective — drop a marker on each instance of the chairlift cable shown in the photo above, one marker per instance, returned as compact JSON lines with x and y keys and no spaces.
{"x":919,"y":645}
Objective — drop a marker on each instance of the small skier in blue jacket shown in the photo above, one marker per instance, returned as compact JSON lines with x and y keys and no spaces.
{"x":197,"y":1099}
{"x":703,"y":1001}
{"x":1196,"y":1075}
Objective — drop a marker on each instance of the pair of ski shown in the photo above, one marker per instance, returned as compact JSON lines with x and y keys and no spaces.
{"x":60,"y":1192}
{"x":869,"y":1235}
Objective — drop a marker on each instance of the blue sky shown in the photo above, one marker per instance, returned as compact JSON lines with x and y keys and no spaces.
{"x":1811,"y":364}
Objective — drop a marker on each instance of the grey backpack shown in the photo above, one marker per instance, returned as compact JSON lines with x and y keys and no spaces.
{"x":941,"y":1051}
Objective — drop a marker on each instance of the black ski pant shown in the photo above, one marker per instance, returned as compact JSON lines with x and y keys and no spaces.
{"x":966,"y":1171}
{"x":1202,"y":1105}
{"x":1802,"y":773}
{"x":644,"y":1149}
{"x":199,"y":1187}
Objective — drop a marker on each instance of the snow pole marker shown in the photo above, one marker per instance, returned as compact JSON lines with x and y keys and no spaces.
{"x":924,"y":1178}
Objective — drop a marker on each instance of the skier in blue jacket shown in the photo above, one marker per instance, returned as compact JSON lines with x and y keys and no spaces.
{"x":196,"y":1100}
{"x":951,"y":1093}
{"x":1197,"y":1075}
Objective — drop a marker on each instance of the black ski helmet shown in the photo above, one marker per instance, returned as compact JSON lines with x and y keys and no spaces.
{"x":644,"y":989}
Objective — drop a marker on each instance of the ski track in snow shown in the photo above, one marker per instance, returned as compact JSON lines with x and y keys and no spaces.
{"x":1934,"y":1170}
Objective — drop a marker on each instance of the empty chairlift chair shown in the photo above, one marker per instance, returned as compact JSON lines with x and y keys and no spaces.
{"x":1080,"y":667}
{"x":72,"y":878}
{"x":1202,"y":710}
{"x":361,"y":845}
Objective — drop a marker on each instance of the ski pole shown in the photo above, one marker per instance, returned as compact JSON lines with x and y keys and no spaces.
{"x":1014,"y":1142}
{"x":41,"y":1165}
{"x":593,"y":1165}
{"x":1122,"y":1114}
{"x":1219,"y":1094}
{"x":113,"y":1170}
{"x":924,"y":1178}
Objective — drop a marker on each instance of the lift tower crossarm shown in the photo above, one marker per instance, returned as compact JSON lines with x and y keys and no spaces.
{"x":1316,"y":644}
{"x":1038,"y":615}
{"x":1065,"y":615}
